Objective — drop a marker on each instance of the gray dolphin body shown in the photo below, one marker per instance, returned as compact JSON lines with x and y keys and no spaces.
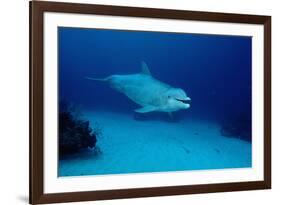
{"x":148,"y":92}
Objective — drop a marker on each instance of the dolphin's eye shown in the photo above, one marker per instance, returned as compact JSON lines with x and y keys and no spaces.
{"x":169,"y":96}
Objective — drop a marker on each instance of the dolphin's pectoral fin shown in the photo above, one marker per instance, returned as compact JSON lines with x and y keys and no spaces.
{"x":145,"y":69}
{"x":146,"y":109}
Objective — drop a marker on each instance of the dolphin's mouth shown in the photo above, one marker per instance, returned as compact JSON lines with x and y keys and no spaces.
{"x":185,"y":101}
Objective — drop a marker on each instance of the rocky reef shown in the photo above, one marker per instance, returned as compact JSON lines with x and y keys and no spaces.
{"x":75,"y":132}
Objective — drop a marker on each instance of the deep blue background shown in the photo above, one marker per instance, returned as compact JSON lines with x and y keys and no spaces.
{"x":214,"y":70}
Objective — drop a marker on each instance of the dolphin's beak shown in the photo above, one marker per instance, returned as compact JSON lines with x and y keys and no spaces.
{"x":187,"y":103}
{"x":187,"y":106}
{"x":184,"y":100}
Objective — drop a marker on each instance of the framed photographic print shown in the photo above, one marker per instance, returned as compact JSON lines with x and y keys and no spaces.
{"x":138,"y":102}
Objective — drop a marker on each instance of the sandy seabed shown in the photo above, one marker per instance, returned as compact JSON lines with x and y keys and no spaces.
{"x":128,"y":145}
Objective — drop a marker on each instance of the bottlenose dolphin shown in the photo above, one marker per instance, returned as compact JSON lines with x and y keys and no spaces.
{"x":150,"y":93}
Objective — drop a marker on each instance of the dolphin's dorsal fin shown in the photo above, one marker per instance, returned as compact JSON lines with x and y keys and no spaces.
{"x":144,"y":68}
{"x":146,"y":109}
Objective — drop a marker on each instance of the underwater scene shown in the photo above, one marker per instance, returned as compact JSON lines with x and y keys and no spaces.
{"x":140,"y":102}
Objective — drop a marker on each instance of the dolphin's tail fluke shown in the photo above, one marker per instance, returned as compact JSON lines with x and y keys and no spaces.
{"x":97,"y":79}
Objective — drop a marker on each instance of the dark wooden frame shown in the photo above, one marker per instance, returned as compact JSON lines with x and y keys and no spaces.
{"x":37,"y":9}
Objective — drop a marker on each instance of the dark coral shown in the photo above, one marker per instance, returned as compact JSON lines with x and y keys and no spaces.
{"x":74,"y":133}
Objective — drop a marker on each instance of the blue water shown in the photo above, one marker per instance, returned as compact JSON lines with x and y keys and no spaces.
{"x":214,"y":71}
